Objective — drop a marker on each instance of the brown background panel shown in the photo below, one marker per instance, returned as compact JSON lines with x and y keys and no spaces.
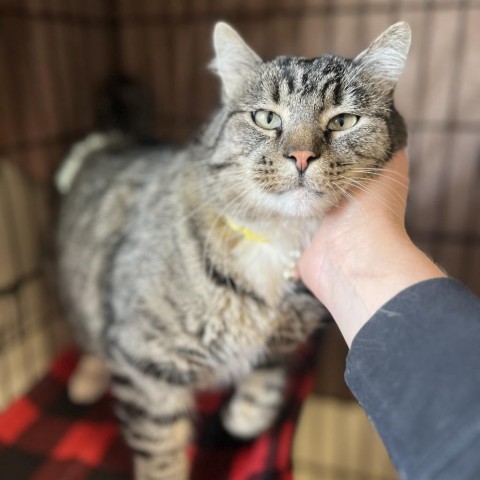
{"x":52,"y":57}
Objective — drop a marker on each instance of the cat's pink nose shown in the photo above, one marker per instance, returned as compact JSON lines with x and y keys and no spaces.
{"x":302,"y":158}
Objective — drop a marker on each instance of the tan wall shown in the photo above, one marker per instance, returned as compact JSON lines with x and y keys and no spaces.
{"x":31,"y":330}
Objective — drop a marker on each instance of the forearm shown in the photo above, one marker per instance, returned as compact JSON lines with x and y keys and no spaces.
{"x":413,"y":368}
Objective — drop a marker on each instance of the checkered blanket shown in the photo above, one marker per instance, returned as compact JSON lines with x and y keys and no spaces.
{"x":43,"y":436}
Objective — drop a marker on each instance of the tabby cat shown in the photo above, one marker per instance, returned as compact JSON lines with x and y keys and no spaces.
{"x":176,"y":266}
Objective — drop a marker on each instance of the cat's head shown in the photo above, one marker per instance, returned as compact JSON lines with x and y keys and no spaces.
{"x":297,"y":133}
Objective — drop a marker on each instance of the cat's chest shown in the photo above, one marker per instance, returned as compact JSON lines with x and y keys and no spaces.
{"x":268,"y":266}
{"x":268,"y":269}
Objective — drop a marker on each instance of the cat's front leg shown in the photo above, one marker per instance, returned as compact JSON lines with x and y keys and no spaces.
{"x":257,"y":402}
{"x":156,"y":427}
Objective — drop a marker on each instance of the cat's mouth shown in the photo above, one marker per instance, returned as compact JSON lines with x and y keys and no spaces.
{"x":297,"y":197}
{"x":301,"y":189}
{"x":302,"y":201}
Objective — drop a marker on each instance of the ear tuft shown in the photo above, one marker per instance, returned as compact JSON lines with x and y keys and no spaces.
{"x":386,"y":56}
{"x":234,"y":60}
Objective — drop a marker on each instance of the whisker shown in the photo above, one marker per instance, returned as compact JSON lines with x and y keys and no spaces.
{"x":348,"y":195}
{"x":374,"y":195}
{"x":392,"y":189}
{"x":381,"y":173}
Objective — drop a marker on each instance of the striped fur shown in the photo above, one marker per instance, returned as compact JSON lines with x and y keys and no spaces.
{"x":168,"y":295}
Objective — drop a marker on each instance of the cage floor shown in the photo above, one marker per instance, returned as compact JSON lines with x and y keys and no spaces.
{"x":335,"y":441}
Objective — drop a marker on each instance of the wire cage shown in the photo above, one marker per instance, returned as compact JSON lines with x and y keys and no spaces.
{"x":55,"y":53}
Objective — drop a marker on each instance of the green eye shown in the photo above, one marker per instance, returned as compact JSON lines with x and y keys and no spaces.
{"x":267,"y":120}
{"x":344,"y":121}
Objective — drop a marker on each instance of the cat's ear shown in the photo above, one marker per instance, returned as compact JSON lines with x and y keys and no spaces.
{"x":385,"y":57}
{"x":234,"y":60}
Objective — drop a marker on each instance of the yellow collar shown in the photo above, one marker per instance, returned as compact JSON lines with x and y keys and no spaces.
{"x":245,"y":232}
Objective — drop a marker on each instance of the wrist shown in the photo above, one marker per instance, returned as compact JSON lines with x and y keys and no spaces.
{"x":355,"y":275}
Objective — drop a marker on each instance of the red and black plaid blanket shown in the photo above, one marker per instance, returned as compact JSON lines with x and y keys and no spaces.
{"x":43,"y":436}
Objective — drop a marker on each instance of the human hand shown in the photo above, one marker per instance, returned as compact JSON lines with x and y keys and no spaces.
{"x":362,"y":256}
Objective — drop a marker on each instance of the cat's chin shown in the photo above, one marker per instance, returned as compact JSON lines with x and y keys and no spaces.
{"x":298,"y":202}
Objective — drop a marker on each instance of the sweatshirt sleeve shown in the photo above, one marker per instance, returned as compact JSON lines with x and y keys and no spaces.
{"x":415,"y":369}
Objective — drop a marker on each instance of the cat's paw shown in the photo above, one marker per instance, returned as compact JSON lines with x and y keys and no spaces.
{"x":176,"y":467}
{"x":256,"y":404}
{"x":89,"y":381}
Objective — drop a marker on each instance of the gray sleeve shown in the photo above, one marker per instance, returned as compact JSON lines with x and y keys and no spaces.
{"x":415,"y":369}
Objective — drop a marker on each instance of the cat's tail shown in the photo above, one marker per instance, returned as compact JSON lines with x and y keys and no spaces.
{"x":73,"y":162}
{"x":124,"y":116}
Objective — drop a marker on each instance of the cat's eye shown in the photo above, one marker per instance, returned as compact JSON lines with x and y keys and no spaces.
{"x":344,"y":121}
{"x":267,"y":120}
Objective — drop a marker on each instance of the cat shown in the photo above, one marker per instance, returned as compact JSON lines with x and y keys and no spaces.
{"x":177,"y":267}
